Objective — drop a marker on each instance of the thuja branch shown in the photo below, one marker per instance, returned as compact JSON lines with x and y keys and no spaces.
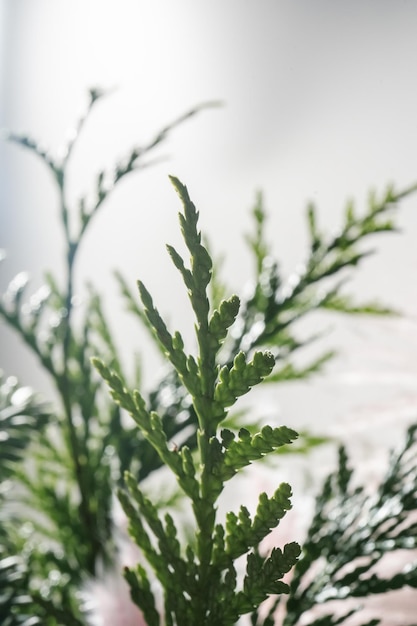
{"x":200,"y":579}
{"x":352,"y":533}
{"x":267,"y":315}
{"x":266,"y":318}
{"x":46,"y":326}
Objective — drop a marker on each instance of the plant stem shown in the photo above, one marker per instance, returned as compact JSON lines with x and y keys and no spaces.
{"x":79,"y":457}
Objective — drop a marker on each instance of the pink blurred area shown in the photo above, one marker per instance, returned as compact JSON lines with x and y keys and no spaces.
{"x":109,"y":603}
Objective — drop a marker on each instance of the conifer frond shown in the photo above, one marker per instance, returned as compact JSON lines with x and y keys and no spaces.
{"x":88,"y":449}
{"x":211,"y":555}
{"x":352,"y":530}
{"x":22,"y":417}
{"x":267,"y":316}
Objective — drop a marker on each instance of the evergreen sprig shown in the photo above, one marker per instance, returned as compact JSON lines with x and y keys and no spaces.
{"x":196,"y":578}
{"x":22,"y":416}
{"x":351,"y":531}
{"x":268,"y":316}
{"x":75,"y":465}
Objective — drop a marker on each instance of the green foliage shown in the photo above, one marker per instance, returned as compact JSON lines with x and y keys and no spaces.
{"x":268,"y":315}
{"x":76,"y":461}
{"x":352,"y":530}
{"x":199,"y":580}
{"x":22,"y":416}
{"x":13,"y":579}
{"x":60,"y":466}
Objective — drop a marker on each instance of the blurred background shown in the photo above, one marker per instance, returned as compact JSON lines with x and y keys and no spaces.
{"x":319,"y":103}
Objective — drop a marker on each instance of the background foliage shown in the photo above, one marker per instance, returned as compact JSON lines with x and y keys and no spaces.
{"x":60,"y":466}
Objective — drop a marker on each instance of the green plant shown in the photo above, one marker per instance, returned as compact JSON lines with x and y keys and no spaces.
{"x":200,"y":582}
{"x":81,"y":452}
{"x":352,"y":531}
{"x":74,"y":465}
